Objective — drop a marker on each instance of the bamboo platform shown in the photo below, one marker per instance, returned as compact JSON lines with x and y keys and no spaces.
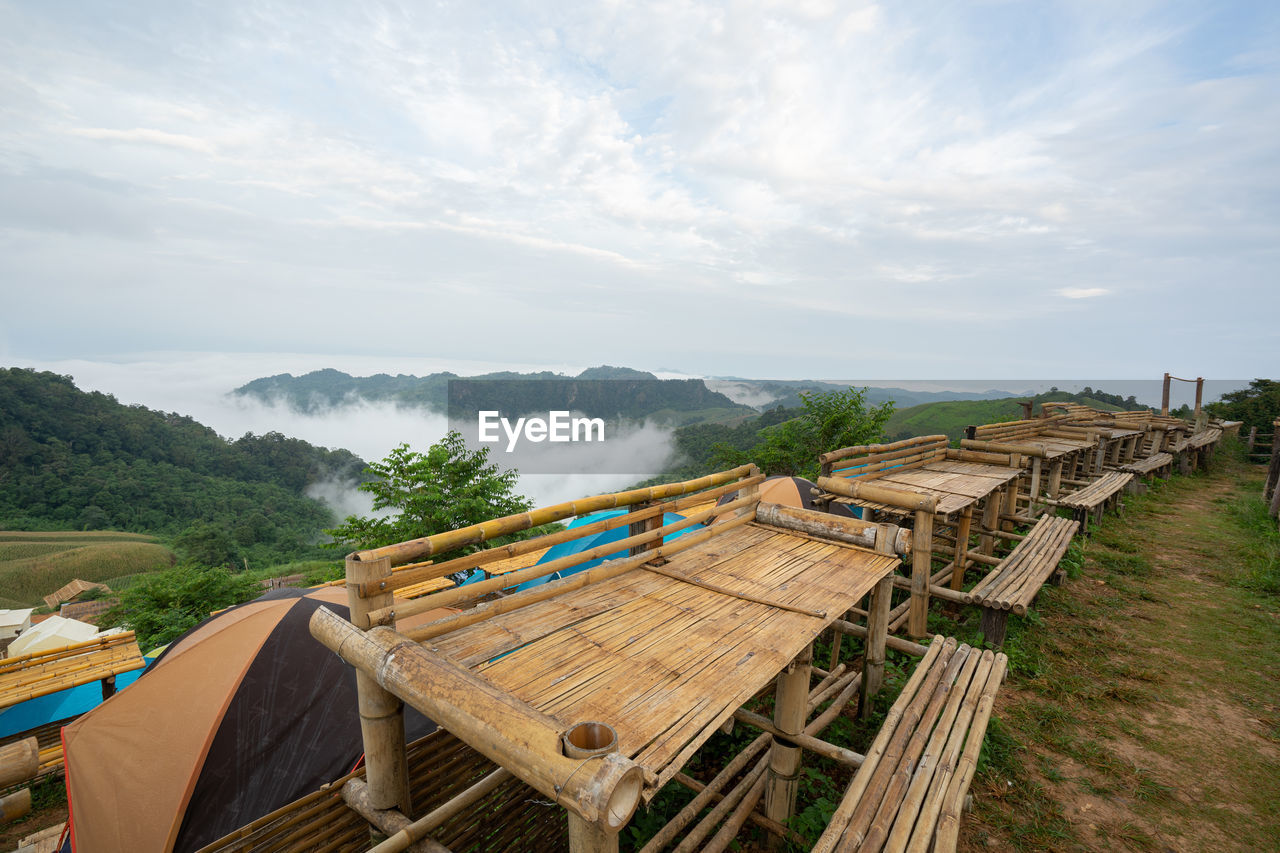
{"x":596,"y":689}
{"x":41,"y":673}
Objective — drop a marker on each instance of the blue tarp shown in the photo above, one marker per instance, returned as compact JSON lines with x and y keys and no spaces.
{"x":62,"y":705}
{"x":577,"y":546}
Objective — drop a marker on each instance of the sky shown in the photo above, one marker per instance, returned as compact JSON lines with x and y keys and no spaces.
{"x":775,"y":190}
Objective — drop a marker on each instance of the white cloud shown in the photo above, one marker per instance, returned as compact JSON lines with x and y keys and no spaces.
{"x":572,"y":182}
{"x":1083,"y":292}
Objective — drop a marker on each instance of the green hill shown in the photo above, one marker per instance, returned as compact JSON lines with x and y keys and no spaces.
{"x":951,"y":418}
{"x":71,"y":460}
{"x":34,"y":564}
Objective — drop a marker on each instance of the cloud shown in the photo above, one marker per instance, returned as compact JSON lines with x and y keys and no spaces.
{"x":1083,"y":292}
{"x":570,"y":181}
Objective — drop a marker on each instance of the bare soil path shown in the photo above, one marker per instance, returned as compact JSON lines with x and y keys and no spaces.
{"x":1143,"y":707}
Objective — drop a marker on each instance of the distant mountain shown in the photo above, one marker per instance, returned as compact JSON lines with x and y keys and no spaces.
{"x":607,"y":392}
{"x":76,"y":460}
{"x":765,"y":394}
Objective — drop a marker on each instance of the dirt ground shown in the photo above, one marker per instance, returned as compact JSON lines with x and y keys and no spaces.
{"x":1164,"y":734}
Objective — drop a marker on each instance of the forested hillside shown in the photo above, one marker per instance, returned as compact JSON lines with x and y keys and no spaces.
{"x":73,"y":460}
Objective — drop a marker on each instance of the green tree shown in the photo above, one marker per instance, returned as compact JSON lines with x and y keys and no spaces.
{"x":207,"y":545}
{"x":1256,"y":406}
{"x":828,"y":421}
{"x":446,"y":488}
{"x":163,"y":606}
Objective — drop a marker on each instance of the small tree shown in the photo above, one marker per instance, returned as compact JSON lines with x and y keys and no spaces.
{"x":830,"y":420}
{"x":446,"y":488}
{"x":163,"y":606}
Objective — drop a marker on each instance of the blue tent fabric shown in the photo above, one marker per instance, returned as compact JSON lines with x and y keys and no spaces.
{"x":62,"y":705}
{"x":577,"y":546}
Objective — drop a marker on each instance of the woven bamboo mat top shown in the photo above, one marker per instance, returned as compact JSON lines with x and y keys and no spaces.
{"x":956,"y":485}
{"x":662,"y":661}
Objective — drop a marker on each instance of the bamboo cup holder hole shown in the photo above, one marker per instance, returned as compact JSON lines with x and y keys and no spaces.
{"x":585,"y":740}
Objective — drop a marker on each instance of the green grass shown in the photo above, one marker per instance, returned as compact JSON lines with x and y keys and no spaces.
{"x":1143,"y":682}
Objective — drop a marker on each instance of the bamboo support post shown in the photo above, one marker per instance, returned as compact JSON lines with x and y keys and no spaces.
{"x":877,"y":632}
{"x":961,"y":555}
{"x":505,"y":730}
{"x":381,"y":713}
{"x":405,"y":837}
{"x":789,"y":710}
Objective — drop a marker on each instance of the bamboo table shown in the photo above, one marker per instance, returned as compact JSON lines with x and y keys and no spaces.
{"x":956,"y":487}
{"x":597,"y":692}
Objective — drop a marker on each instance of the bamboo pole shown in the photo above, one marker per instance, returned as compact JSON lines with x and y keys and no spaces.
{"x":789,"y":710}
{"x":15,"y":805}
{"x":703,"y":828}
{"x":826,"y":526}
{"x":877,"y":632}
{"x":605,"y":571}
{"x":799,"y":739}
{"x":874,"y":452}
{"x":722,"y":839}
{"x":896,"y":643}
{"x":19,"y":761}
{"x":414,"y":573}
{"x":948,"y":831}
{"x":878,"y":494}
{"x":921,"y":563}
{"x":918,"y":683}
{"x":755,"y":817}
{"x":405,"y":837}
{"x":390,"y":822}
{"x":682,"y":819}
{"x":456,"y":595}
{"x":381,"y":713}
{"x":485,"y":531}
{"x":501,"y":727}
{"x":962,"y":536}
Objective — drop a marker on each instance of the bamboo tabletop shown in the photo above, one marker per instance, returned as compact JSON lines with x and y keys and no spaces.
{"x":956,"y":485}
{"x":663,"y":661}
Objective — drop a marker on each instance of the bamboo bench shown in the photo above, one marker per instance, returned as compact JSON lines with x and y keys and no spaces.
{"x":1014,"y":584}
{"x":1159,"y":464}
{"x":1097,"y":497}
{"x":911,"y":787}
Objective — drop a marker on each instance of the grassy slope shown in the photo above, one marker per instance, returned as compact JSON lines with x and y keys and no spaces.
{"x":1141,"y":709}
{"x":32,"y":565}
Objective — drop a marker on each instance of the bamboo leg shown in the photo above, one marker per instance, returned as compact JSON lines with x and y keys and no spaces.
{"x":381,"y":713}
{"x":1055,"y":478}
{"x":921,"y":563}
{"x":1034,"y":490}
{"x":962,"y":551}
{"x":790,"y":708}
{"x":990,"y":518}
{"x":586,"y":836}
{"x":877,"y":636}
{"x":1010,"y":506}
